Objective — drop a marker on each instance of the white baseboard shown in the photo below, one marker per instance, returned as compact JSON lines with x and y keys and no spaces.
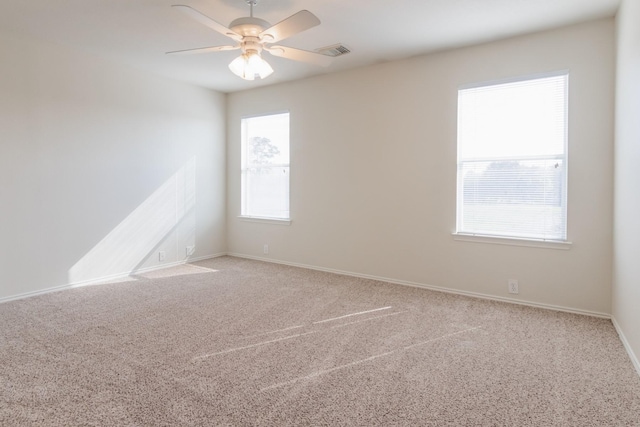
{"x":108,"y":278}
{"x":328,"y":270}
{"x":433,"y":288}
{"x":627,"y":346}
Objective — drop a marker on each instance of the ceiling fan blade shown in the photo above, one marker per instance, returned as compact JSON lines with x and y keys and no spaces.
{"x":204,"y":19}
{"x":202,"y":50}
{"x":300,"y":55}
{"x":294,"y":24}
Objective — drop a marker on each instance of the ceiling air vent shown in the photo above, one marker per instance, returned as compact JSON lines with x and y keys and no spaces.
{"x":334,"y":50}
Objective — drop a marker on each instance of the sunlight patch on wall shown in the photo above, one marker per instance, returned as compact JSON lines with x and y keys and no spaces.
{"x":169,"y":209}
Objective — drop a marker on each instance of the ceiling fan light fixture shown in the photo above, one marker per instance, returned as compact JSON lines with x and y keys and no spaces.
{"x":249,"y":65}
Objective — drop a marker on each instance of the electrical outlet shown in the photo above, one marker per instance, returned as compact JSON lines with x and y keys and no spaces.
{"x":513,"y":286}
{"x":190,"y":250}
{"x":265,"y":249}
{"x":162,"y":255}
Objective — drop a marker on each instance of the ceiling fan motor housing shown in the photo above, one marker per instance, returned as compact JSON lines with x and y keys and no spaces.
{"x":249,"y":26}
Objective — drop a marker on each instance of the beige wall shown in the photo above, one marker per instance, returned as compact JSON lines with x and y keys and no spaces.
{"x":626,"y":284}
{"x":373,"y":171}
{"x":101,"y":167}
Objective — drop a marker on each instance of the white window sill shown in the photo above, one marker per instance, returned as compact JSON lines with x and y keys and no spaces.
{"x":277,"y":221}
{"x":512,"y":241}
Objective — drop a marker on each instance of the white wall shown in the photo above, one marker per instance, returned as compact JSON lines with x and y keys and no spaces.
{"x":373,"y":171}
{"x":101,"y":167}
{"x":626,"y":285}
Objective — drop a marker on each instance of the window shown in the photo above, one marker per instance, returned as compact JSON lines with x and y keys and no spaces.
{"x":265,"y":166}
{"x":512,"y":159}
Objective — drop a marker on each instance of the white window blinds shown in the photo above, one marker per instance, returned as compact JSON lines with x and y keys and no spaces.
{"x":265,"y":166}
{"x":512,"y":159}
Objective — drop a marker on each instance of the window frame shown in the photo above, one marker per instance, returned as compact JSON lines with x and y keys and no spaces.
{"x":514,"y":239}
{"x":243,"y":169}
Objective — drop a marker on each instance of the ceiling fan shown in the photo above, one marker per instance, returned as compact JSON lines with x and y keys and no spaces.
{"x":254,"y":35}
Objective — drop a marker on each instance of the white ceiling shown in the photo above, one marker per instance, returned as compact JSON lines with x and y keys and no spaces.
{"x":139,"y":32}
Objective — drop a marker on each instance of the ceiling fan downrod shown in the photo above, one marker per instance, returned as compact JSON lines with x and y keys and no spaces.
{"x":251,"y":3}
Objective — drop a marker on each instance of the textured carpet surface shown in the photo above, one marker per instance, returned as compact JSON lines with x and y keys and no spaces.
{"x":237,"y":342}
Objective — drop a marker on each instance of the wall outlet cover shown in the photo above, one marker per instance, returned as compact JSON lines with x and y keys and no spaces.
{"x":513,"y":286}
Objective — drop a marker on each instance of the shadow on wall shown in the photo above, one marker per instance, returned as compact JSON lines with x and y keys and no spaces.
{"x":170,"y":209}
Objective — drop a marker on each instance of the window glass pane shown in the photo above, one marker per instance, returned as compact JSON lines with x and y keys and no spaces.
{"x":525,"y":118}
{"x":512,"y":159}
{"x":269,"y":138}
{"x":514,"y":198}
{"x":267,"y":192}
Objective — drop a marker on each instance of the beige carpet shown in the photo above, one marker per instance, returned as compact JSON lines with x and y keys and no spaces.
{"x":239,"y":342}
